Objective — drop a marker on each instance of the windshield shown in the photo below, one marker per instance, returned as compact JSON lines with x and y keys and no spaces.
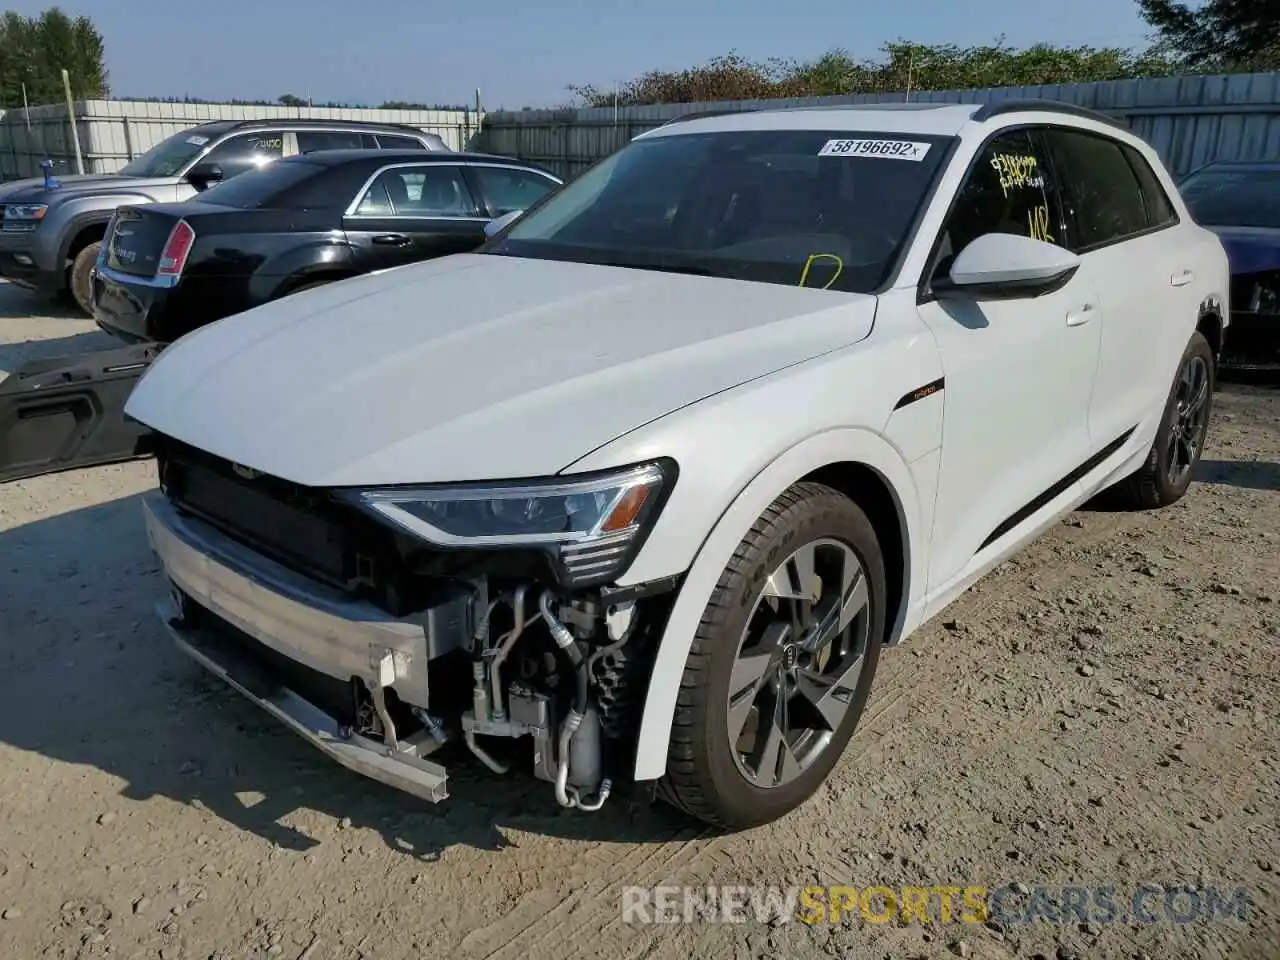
{"x":272,"y":185}
{"x":797,"y":207}
{"x":169,"y":156}
{"x":1234,"y":198}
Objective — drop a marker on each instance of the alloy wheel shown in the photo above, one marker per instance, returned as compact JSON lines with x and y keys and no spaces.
{"x":1190,"y":418}
{"x":798,"y":662}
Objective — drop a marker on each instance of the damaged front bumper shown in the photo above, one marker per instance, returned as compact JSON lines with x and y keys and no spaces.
{"x":303,"y":622}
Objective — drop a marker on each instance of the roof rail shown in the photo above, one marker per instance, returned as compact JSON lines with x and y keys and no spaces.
{"x":315,"y":121}
{"x":994,"y":108}
{"x":705,"y":114}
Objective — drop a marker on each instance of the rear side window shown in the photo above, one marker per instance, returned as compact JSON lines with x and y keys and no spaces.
{"x":1006,"y":191}
{"x":435,"y":190}
{"x":506,"y":189}
{"x":1103,"y":197}
{"x":310,"y":141}
{"x":1160,"y":210}
{"x":390,"y":141}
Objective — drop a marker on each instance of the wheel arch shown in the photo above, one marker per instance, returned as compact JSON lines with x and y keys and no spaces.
{"x":869,"y":489}
{"x":855,"y":461}
{"x":313,"y":274}
{"x":87,"y":222}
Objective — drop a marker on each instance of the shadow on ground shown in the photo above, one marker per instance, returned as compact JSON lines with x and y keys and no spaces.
{"x":1245,"y":474}
{"x":18,"y":303}
{"x":88,"y":676}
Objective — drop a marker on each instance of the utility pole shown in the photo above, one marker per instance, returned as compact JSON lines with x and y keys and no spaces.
{"x":71,"y":116}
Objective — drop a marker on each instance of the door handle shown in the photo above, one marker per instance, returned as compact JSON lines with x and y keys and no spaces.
{"x":1077,"y":317}
{"x":1182,"y":279}
{"x":391,"y":240}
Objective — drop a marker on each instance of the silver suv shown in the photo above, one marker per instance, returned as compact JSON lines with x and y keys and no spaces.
{"x":51,"y":229}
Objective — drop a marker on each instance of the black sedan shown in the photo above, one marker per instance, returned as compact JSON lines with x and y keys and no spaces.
{"x":166,"y":269}
{"x":1240,"y":202}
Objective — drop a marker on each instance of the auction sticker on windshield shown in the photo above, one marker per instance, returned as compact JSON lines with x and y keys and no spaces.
{"x":888,"y":149}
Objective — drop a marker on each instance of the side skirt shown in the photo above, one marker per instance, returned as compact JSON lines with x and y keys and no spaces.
{"x":1023,"y":513}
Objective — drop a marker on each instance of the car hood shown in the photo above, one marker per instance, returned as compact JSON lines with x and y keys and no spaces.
{"x":1250,"y":249}
{"x":33,"y":190}
{"x":475,"y":366}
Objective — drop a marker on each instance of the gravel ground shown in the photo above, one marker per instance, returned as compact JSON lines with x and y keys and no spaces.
{"x":1101,"y":710}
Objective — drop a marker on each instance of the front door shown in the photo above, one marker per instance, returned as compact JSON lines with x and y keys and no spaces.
{"x":412,"y":213}
{"x":239,"y":154}
{"x":1018,"y":373}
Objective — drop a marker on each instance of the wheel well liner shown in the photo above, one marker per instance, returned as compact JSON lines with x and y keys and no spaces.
{"x":868,"y":489}
{"x":1210,"y":324}
{"x":86,"y":234}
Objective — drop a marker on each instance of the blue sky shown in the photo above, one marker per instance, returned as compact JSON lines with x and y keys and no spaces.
{"x":526,"y":53}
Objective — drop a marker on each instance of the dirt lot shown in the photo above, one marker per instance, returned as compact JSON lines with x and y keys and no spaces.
{"x":1099,"y":711}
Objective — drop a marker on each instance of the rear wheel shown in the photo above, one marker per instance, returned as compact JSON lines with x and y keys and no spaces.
{"x":80,"y":277}
{"x":781,"y":664}
{"x":1167,"y":472}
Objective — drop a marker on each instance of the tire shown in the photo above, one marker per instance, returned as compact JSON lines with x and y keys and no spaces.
{"x":707,"y":776}
{"x":1155,"y":484}
{"x":80,"y":277}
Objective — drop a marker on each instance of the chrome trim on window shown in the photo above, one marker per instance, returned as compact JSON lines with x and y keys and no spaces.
{"x":351,"y":207}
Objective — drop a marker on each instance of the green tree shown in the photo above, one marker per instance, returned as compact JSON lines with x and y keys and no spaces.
{"x":35,"y":50}
{"x":291,"y":100}
{"x":902,"y":66}
{"x":1227,"y":35}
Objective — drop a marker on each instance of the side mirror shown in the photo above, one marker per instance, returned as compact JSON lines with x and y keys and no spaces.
{"x":203,"y":174}
{"x":498,"y":224}
{"x":1005,"y":266}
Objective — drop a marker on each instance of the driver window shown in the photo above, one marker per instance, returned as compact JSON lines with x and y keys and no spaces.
{"x":1006,"y":192}
{"x":246,"y":152}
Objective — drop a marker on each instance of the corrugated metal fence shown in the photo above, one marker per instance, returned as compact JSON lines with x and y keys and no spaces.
{"x":112,"y":132}
{"x":1189,"y":120}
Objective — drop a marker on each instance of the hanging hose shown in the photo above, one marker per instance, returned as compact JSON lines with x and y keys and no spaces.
{"x":566,"y":795}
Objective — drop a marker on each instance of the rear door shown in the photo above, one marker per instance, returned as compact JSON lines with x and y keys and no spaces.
{"x":1120,"y":220}
{"x":413,"y":212}
{"x":68,"y":412}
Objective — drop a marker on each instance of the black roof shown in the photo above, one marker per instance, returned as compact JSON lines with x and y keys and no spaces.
{"x":995,"y":108}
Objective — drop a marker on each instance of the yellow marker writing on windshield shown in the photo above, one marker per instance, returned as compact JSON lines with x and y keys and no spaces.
{"x":804,"y":274}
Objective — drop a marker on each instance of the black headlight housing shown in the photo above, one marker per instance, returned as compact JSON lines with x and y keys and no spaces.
{"x":590,"y":526}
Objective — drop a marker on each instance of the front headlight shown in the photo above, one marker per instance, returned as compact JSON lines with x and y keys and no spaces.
{"x":592,"y":525}
{"x":25,"y":211}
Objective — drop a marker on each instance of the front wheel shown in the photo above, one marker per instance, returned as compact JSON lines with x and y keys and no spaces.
{"x":1166,"y":474}
{"x":80,"y":277}
{"x":781,"y":664}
